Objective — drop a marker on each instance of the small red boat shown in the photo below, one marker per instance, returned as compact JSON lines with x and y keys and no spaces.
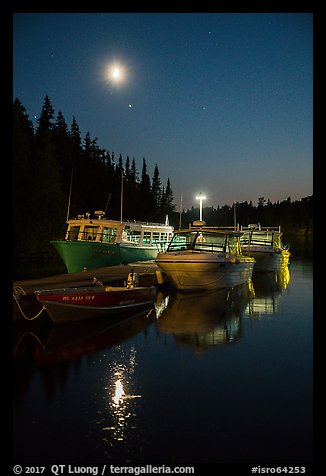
{"x":76,"y":304}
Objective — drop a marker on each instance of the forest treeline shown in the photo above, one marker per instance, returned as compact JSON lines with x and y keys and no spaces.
{"x":293,"y":216}
{"x":52,"y":160}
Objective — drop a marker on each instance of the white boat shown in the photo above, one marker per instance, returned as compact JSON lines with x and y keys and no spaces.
{"x":265,"y":245}
{"x":95,"y":242}
{"x":203,"y":257}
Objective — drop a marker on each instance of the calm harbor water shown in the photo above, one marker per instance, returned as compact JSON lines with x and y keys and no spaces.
{"x":224,"y":377}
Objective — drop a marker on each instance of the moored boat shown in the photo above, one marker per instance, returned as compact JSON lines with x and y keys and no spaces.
{"x":203,"y":257}
{"x":95,"y":242}
{"x":265,"y":245}
{"x":87,"y":302}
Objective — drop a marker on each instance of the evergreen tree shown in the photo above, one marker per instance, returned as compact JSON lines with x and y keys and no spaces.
{"x":156,"y":192}
{"x":75,"y":137}
{"x":168,"y":199}
{"x":133,"y":172}
{"x":46,"y":199}
{"x":145,"y":195}
{"x":63,"y":151}
{"x":133,"y":200}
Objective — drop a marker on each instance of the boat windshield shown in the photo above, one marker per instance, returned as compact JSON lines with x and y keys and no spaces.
{"x":182,"y":241}
{"x":258,"y":238}
{"x":204,"y":241}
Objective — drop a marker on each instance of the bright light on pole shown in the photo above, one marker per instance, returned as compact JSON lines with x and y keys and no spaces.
{"x":200,"y":197}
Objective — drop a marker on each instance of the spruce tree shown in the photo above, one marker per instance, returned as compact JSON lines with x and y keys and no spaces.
{"x":48,"y":205}
{"x":145,"y":209}
{"x":156,"y":192}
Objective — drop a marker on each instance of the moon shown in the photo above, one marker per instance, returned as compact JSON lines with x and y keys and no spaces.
{"x":116,"y":73}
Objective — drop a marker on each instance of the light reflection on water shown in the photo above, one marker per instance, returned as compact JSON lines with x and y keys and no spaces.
{"x":120,"y":382}
{"x":205,"y":319}
{"x":136,"y":388}
{"x":268,"y":290}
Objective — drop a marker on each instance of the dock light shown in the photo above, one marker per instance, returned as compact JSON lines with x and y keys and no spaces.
{"x":200,"y":197}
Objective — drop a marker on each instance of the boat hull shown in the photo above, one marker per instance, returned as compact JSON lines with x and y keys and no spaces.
{"x":77,"y":304}
{"x":80,"y":255}
{"x":130,"y":254}
{"x":188,"y":272}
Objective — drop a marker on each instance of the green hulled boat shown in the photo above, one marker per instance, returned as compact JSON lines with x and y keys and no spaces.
{"x":98,"y":242}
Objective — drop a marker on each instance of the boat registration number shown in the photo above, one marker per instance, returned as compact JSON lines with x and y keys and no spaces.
{"x":78,"y":298}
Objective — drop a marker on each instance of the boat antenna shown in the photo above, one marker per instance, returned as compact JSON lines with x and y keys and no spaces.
{"x":234,"y":216}
{"x":107,"y":203}
{"x":69,"y":198}
{"x":180,"y":213}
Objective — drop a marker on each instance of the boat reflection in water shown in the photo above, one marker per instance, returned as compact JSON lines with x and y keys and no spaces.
{"x":56,"y":351}
{"x":207,"y":318}
{"x":52,"y":344}
{"x":268,"y":293}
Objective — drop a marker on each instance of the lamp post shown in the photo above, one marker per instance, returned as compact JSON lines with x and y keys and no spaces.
{"x":200,"y":197}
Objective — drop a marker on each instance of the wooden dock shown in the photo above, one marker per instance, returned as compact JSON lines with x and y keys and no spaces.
{"x":23,"y":290}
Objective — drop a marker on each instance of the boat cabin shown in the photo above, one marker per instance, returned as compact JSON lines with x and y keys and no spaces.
{"x":207,"y":239}
{"x":103,"y":230}
{"x":256,"y":235}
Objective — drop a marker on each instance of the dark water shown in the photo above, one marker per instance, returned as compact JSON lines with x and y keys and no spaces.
{"x":221,"y":378}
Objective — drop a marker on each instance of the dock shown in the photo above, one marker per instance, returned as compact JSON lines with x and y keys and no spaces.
{"x":23,"y":290}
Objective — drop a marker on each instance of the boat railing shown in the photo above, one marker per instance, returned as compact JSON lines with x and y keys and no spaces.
{"x":254,"y":242}
{"x":210,"y":247}
{"x":257,"y":228}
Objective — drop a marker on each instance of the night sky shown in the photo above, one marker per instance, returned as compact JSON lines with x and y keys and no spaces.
{"x":221,"y":102}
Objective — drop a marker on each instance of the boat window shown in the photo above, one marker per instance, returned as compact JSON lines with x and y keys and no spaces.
{"x":245,"y":238}
{"x":156,"y":237}
{"x":89,"y":233}
{"x":131,"y":236}
{"x":261,"y":239}
{"x":72,"y":234}
{"x":147,"y":237}
{"x":161,"y":240}
{"x":210,"y":242}
{"x":233,"y":245}
{"x":256,"y":238}
{"x":109,"y":235}
{"x":182,"y":241}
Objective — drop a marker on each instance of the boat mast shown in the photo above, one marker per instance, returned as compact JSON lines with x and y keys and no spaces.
{"x":234,"y":216}
{"x":107,"y":203}
{"x":69,"y":198}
